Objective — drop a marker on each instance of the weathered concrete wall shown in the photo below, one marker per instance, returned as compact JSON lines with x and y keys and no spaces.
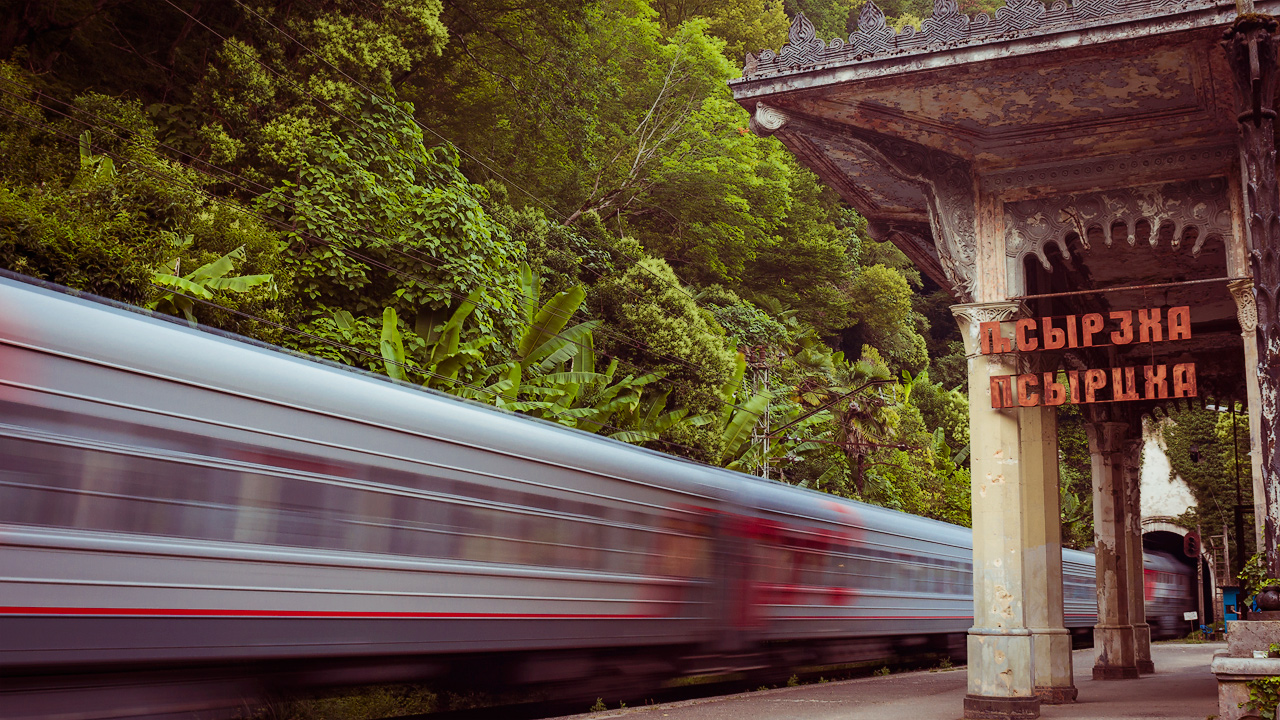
{"x":1162,"y":495}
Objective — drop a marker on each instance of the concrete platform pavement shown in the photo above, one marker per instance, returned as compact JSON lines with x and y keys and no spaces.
{"x":1181,"y":689}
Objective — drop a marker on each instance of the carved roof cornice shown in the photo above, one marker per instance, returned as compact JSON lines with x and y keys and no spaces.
{"x":1032,"y":225}
{"x":1095,"y":173}
{"x":948,"y":29}
{"x":947,"y":182}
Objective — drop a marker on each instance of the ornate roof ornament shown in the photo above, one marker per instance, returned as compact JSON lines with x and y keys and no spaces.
{"x":767,"y":120}
{"x":1020,"y":15}
{"x":873,"y":36}
{"x":804,"y":47}
{"x":948,"y":27}
{"x":1032,"y":225}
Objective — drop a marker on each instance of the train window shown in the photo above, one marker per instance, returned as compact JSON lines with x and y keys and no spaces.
{"x":57,"y":486}
{"x":256,"y":514}
{"x":36,"y":483}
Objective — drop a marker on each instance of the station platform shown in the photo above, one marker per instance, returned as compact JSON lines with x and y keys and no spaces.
{"x":1182,"y":688}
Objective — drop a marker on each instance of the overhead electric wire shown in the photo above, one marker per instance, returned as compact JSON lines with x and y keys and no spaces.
{"x":239,"y":208}
{"x":413,"y":119}
{"x":391,"y":244}
{"x":410,"y":117}
{"x":409,"y":368}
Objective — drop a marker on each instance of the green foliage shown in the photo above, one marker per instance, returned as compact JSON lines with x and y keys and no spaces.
{"x":612,"y":238}
{"x":106,"y":213}
{"x":1198,"y":444}
{"x":1264,"y":696}
{"x":379,"y":219}
{"x":668,"y":333}
{"x":1075,"y":477}
{"x":744,"y":323}
{"x":202,"y":282}
{"x":881,"y":299}
{"x":1254,"y":578}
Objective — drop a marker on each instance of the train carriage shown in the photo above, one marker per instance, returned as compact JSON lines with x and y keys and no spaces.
{"x":170,"y":495}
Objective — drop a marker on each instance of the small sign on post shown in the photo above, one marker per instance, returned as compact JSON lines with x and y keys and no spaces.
{"x":1191,"y":615}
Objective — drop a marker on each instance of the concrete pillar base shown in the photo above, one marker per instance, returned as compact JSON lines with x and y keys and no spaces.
{"x":985,"y":707}
{"x":1115,"y":672}
{"x":1057,"y":695}
{"x":1053,"y":673}
{"x":1142,"y":641}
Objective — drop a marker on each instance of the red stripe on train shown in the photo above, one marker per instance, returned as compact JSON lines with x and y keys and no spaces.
{"x":214,"y":612}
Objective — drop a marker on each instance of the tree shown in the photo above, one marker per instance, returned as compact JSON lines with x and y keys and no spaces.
{"x":107,"y":213}
{"x":746,"y":26}
{"x":657,"y":325}
{"x":379,"y":219}
{"x":1198,"y":445}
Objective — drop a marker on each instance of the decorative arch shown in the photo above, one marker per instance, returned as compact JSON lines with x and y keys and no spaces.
{"x":1201,"y":207}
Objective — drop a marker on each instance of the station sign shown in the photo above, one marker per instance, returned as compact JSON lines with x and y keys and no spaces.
{"x":1092,"y":330}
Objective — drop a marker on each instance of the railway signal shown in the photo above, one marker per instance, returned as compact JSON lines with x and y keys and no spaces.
{"x":1191,"y":545}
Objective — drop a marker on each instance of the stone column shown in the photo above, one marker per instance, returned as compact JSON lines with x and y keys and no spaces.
{"x":1247,"y":314}
{"x":1251,"y":46}
{"x":1113,"y":635}
{"x":1134,"y":560}
{"x":999,"y":643}
{"x":1042,"y":558}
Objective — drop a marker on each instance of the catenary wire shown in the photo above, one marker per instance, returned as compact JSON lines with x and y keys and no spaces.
{"x":217,"y":198}
{"x":413,"y":119}
{"x":379,"y":358}
{"x":391,"y":244}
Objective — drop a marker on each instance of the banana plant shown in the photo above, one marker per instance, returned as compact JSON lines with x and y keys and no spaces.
{"x":647,"y":420}
{"x":737,"y":421}
{"x":201,"y":282}
{"x":789,"y":441}
{"x":543,"y":341}
{"x":444,"y":357}
{"x":94,"y":169}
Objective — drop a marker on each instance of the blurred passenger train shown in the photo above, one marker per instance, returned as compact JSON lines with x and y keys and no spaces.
{"x":172,"y":497}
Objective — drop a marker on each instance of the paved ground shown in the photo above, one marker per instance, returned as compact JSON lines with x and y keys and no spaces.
{"x":1181,"y":689}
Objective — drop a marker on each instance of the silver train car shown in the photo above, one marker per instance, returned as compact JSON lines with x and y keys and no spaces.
{"x":171,"y":497}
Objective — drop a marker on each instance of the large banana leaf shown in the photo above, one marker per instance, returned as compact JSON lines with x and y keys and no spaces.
{"x":391,"y":345}
{"x":240,"y":283}
{"x":581,"y":378}
{"x":182,"y":284}
{"x":585,"y":360}
{"x":634,"y":436}
{"x":529,"y":292}
{"x":468,"y":353}
{"x":217,"y":268}
{"x":446,"y":345}
{"x":550,"y":320}
{"x":561,"y":347}
{"x":738,"y":430}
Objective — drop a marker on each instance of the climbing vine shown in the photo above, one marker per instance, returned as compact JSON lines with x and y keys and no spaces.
{"x":1264,"y":696}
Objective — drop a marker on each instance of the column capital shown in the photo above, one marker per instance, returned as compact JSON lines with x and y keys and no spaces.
{"x":998,"y":311}
{"x":971,"y":316}
{"x":1246,"y":306}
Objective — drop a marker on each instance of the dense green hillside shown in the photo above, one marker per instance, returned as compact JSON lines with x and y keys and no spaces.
{"x":553,"y":207}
